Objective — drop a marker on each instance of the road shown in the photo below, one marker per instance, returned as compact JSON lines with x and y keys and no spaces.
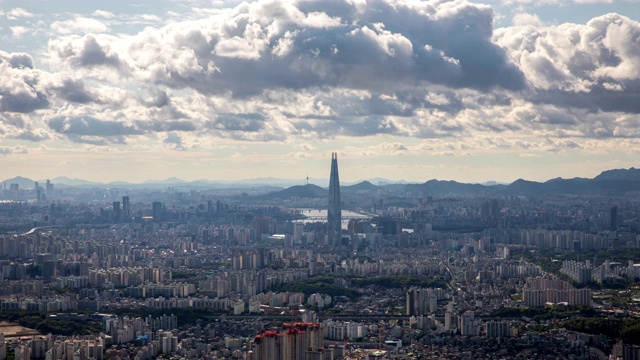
{"x":39,"y":228}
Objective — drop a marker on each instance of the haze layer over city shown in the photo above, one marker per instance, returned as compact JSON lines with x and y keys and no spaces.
{"x":314,"y":179}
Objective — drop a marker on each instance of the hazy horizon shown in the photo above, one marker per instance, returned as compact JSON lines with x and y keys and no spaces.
{"x":281,"y":181}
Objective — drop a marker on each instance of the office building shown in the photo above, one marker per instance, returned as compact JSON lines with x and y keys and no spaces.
{"x":126,"y":208}
{"x":334,"y":214}
{"x":39,"y":193}
{"x":117,"y":212}
{"x":49,"y":189}
{"x":157,"y":211}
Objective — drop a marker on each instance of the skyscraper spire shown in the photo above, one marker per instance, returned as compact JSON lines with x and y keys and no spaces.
{"x":334,"y":214}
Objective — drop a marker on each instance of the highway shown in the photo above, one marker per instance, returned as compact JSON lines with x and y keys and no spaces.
{"x":39,"y":228}
{"x":343,"y":317}
{"x":320,"y":317}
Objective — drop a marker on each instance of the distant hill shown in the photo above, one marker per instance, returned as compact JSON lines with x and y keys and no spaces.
{"x":492,"y":183}
{"x":119,"y":184}
{"x":383,"y":182}
{"x":300,"y":191}
{"x":361,"y":186}
{"x":610,"y":182}
{"x":631,"y":174}
{"x":68,"y":181}
{"x":269,"y":181}
{"x":523,"y":187}
{"x":23,"y":182}
{"x":448,"y":187}
{"x":63,"y":180}
{"x":169,"y":181}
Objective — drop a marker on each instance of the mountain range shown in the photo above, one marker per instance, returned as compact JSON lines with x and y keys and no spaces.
{"x":610,"y":182}
{"x":63,"y":181}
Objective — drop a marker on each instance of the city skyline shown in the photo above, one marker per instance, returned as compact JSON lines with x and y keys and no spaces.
{"x":402,"y":90}
{"x":28,"y":183}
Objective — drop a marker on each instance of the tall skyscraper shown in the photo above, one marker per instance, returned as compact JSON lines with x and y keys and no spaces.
{"x":156,"y":210}
{"x":38,"y":191}
{"x":126,"y":208}
{"x":48,"y":191}
{"x":117,"y":211}
{"x":334,"y":214}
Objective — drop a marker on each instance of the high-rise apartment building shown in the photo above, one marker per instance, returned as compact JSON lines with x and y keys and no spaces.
{"x":296,"y":341}
{"x":334,"y":214}
{"x":268,"y":345}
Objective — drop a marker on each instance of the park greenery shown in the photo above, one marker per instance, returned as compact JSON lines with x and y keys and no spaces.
{"x":399,"y":282}
{"x":581,"y":319}
{"x":185,"y":316}
{"x":317,"y":284}
{"x":183,"y":274}
{"x":545,"y":313}
{"x":325,"y":284}
{"x":66,"y":327}
{"x":40,"y":322}
{"x":550,"y":260}
{"x":627,"y":330}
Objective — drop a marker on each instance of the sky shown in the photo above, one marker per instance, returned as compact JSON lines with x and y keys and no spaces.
{"x":400,"y":89}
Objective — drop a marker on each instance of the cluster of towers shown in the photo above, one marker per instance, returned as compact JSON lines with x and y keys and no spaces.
{"x":121,"y":213}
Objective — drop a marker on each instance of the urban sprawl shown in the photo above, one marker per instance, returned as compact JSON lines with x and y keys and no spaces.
{"x":440,"y":270}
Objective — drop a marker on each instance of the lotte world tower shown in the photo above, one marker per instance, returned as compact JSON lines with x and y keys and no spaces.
{"x":334,"y":215}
